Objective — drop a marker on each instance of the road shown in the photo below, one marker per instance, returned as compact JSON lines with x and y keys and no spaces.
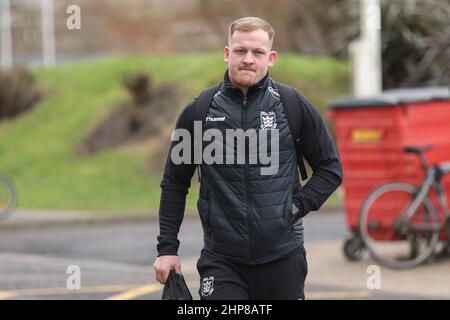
{"x":115,"y":262}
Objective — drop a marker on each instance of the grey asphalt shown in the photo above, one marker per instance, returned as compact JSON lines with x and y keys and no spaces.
{"x":115,"y":256}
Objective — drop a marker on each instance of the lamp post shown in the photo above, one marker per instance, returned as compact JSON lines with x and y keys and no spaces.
{"x":6,"y":60}
{"x":48,"y":33}
{"x":365,"y":52}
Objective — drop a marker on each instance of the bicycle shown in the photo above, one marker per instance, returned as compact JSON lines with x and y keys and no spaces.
{"x":399,"y":223}
{"x":8,"y":197}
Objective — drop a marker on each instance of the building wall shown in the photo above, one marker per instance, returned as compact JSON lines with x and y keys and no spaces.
{"x":111,"y":26}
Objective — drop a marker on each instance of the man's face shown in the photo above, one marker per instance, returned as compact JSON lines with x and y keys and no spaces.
{"x":249,"y":56}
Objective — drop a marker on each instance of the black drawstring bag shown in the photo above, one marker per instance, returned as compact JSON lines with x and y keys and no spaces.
{"x":176,"y":288}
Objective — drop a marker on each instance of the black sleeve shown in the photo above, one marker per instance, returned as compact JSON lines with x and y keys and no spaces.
{"x":319,"y":149}
{"x":174,"y":188}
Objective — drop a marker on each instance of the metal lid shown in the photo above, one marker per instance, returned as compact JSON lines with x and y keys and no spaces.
{"x":395,"y":97}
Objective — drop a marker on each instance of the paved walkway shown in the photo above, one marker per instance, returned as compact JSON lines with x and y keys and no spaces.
{"x":327,"y":265}
{"x":32,"y":218}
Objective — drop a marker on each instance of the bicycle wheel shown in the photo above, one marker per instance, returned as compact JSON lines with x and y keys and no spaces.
{"x":8,"y":197}
{"x":398,"y":248}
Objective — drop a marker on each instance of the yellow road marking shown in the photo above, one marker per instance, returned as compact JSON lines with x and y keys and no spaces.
{"x":137,"y":292}
{"x":338,"y":295}
{"x":143,"y":290}
{"x":61,"y":291}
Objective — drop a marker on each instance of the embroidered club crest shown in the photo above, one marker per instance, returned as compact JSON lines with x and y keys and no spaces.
{"x":207,"y":286}
{"x":268,"y":120}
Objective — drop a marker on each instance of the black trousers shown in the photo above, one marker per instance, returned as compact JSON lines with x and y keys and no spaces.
{"x":282,"y":279}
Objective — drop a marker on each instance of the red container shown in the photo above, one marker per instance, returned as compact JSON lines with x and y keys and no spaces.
{"x":372,"y":133}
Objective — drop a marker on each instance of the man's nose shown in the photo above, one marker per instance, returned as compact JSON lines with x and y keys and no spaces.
{"x":248,"y":59}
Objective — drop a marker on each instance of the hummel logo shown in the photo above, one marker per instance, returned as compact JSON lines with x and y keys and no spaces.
{"x":215,"y":119}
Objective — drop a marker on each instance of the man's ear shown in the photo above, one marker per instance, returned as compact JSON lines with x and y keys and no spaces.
{"x":226,"y":53}
{"x":272,"y":58}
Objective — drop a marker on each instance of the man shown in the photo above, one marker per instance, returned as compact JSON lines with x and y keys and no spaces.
{"x":253,"y":231}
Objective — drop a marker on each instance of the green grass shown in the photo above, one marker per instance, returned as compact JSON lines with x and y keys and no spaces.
{"x":37,"y":149}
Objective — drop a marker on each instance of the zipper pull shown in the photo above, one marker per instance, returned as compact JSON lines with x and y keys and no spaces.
{"x":244,"y":102}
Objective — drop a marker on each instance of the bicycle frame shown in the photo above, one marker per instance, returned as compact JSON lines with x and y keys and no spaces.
{"x":431,"y":181}
{"x":6,"y":211}
{"x":443,"y":169}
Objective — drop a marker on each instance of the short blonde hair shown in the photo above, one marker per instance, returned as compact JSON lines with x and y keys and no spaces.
{"x":248,"y":24}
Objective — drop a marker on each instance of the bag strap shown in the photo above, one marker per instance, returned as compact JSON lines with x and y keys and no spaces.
{"x":202,"y":103}
{"x":293,"y":109}
{"x":199,"y":111}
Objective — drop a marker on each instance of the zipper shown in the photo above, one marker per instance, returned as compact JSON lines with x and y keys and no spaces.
{"x":246,"y":182}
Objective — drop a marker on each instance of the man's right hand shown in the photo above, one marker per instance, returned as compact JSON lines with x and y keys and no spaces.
{"x":163,"y":265}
